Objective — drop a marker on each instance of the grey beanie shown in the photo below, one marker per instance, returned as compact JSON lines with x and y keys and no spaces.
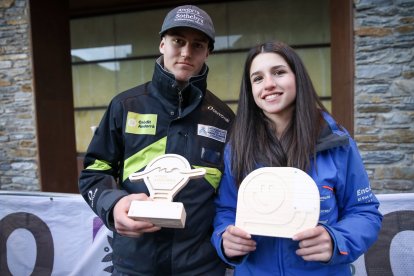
{"x":189,"y":16}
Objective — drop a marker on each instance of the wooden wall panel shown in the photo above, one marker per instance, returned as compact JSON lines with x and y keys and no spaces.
{"x":53,"y":95}
{"x":342,"y":62}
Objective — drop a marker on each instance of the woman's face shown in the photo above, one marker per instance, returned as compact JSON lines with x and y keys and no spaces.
{"x":273,"y":87}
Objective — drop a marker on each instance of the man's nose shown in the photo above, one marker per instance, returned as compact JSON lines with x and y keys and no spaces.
{"x":186,"y":50}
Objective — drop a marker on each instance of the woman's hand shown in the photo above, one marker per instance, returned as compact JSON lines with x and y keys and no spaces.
{"x":237,"y":242}
{"x":315,"y":244}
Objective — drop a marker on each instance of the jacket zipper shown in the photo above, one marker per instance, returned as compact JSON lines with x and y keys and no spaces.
{"x":280,"y":257}
{"x":180,"y":101}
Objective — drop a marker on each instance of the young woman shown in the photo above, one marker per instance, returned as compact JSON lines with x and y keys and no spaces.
{"x":281,"y":122}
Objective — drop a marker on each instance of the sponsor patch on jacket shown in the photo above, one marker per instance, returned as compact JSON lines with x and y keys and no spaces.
{"x":141,"y":123}
{"x":212,"y":132}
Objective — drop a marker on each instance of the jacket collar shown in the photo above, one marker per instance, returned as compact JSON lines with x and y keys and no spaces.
{"x":167,"y":86}
{"x":332,"y":135}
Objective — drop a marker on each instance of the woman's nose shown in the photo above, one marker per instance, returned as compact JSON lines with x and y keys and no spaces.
{"x":269,"y":82}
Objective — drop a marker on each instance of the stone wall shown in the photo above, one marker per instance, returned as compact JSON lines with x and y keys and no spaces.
{"x":384,"y":92}
{"x":18,"y":153}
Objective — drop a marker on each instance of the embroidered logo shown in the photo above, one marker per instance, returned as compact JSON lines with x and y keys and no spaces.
{"x":212,"y":109}
{"x":212,"y":132}
{"x":189,"y":15}
{"x":141,"y":123}
{"x":91,"y":196}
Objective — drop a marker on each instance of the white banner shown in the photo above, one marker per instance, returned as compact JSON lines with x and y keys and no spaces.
{"x":58,"y":234}
{"x":51,"y":234}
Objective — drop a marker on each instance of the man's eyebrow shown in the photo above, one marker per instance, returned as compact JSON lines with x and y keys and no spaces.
{"x":201,"y":38}
{"x":174,"y":32}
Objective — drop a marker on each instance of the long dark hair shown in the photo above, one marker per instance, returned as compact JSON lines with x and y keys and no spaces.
{"x":253,"y":138}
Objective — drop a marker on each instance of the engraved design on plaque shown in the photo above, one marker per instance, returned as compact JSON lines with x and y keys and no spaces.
{"x":277,"y":202}
{"x":166,"y":175}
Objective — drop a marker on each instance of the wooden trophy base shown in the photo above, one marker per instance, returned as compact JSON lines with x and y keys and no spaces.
{"x":160,"y":213}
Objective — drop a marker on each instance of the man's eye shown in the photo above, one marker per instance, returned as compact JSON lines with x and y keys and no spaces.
{"x":177,"y":41}
{"x":199,"y":46}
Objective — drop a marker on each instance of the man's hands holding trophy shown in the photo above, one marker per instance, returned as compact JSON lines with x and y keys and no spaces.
{"x":164,"y":177}
{"x":126,"y":226}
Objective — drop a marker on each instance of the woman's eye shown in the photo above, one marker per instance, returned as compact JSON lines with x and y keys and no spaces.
{"x":279,"y":72}
{"x":257,"y":79}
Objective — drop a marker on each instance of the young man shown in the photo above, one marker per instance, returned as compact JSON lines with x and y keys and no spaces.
{"x":175,"y":107}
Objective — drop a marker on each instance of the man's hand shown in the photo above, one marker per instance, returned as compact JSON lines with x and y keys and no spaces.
{"x":126,"y":226}
{"x":315,"y":244}
{"x":237,"y":242}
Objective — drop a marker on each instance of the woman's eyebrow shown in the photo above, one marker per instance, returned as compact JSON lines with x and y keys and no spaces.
{"x":254,"y":73}
{"x":272,"y":68}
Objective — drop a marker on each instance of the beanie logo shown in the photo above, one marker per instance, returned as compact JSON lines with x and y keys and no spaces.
{"x":189,"y":15}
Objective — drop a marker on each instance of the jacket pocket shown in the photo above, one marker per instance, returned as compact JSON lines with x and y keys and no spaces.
{"x":210,"y":156}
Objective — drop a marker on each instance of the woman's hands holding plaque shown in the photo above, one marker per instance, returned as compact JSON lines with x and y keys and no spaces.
{"x":126,"y":226}
{"x":315,"y":244}
{"x":237,"y":242}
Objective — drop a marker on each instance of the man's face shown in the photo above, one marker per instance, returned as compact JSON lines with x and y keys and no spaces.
{"x":185,"y":50}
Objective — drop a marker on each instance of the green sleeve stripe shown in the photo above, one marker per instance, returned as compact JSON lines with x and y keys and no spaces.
{"x":99,"y":165}
{"x":213,"y":176}
{"x":140,"y":159}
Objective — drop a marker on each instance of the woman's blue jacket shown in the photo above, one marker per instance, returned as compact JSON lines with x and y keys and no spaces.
{"x":348,"y":210}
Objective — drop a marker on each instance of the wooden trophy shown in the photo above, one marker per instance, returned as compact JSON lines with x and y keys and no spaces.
{"x":277,"y":202}
{"x":164,"y":177}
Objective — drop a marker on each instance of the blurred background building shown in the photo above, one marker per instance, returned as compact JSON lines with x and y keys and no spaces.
{"x":62,"y":61}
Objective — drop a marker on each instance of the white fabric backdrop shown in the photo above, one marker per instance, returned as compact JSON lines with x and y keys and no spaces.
{"x":58,"y":234}
{"x":80,"y":241}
